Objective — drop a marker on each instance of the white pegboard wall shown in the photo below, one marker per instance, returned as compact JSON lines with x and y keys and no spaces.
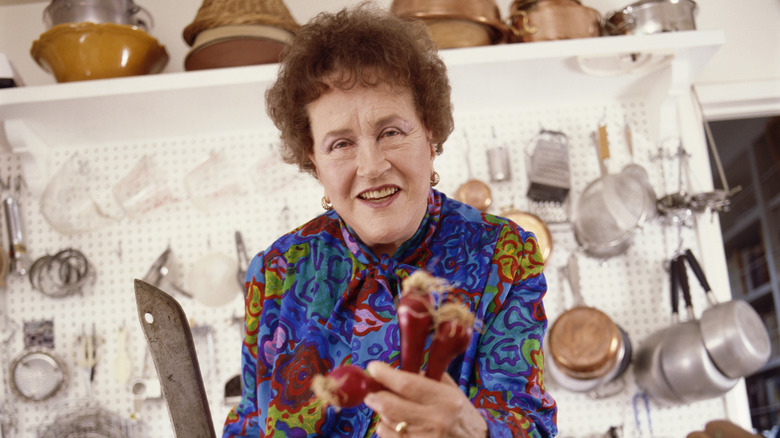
{"x":632,"y":288}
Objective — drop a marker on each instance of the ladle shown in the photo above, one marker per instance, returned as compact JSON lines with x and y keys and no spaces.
{"x":473,"y":192}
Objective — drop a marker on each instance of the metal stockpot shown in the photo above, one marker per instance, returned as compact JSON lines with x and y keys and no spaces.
{"x":647,"y":362}
{"x":735,"y":337}
{"x":685,"y":361}
{"x":97,"y":11}
{"x":652,"y":16}
{"x":544,"y":20}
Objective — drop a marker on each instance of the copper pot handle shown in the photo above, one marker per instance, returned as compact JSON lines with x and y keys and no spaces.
{"x":526,"y":28}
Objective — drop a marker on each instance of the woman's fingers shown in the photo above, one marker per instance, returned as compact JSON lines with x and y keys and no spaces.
{"x":421,"y":406}
{"x":408,"y":385}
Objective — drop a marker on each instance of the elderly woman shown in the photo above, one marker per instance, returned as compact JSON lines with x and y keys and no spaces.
{"x":362,"y":103}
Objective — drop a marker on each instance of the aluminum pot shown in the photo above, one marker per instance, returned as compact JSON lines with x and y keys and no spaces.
{"x":648,"y":372}
{"x":652,"y":16}
{"x":545,"y":20}
{"x":735,"y":337}
{"x":685,"y":361}
{"x":97,"y":11}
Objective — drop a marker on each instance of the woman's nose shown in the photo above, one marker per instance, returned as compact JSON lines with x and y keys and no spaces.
{"x":372,"y":161}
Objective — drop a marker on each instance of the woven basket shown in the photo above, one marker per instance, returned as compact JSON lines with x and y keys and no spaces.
{"x":216,"y":13}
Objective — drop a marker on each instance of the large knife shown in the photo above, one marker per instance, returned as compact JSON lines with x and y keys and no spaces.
{"x":170,"y":342}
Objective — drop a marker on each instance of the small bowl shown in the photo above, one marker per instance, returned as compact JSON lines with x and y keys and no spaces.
{"x":81,"y":51}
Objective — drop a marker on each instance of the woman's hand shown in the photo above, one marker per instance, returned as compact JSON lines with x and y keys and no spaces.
{"x":428,"y":408}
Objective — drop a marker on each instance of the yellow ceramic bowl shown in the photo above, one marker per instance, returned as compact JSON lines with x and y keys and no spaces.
{"x":80,"y":51}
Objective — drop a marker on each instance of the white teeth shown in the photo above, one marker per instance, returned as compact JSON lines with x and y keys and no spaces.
{"x":378,"y":194}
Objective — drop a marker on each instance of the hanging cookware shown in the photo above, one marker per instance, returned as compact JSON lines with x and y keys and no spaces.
{"x":97,"y":11}
{"x":647,"y":17}
{"x":534,"y":224}
{"x":610,"y":209}
{"x":549,"y":176}
{"x":735,"y":337}
{"x":639,"y":173}
{"x":648,"y":371}
{"x":545,"y":20}
{"x":473,"y":192}
{"x":38,"y":374}
{"x":586,"y":348}
{"x":687,"y":365}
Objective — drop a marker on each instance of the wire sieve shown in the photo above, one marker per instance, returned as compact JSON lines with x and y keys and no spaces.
{"x":610,"y":209}
{"x":37,"y":374}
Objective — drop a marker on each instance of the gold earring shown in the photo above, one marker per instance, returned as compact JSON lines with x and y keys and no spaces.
{"x":435,"y":178}
{"x":326,"y":205}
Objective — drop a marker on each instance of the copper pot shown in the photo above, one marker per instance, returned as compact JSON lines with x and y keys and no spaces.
{"x":585,"y":343}
{"x":534,"y":224}
{"x":456,"y":23}
{"x":545,"y":20}
{"x":476,"y":194}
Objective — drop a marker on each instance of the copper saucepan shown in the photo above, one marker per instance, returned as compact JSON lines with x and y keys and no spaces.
{"x":545,"y":20}
{"x":586,"y":348}
{"x":534,"y":224}
{"x":473,"y":192}
{"x":456,"y":23}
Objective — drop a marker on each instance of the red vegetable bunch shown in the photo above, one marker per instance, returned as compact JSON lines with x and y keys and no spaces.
{"x":344,"y":387}
{"x":452,"y":327}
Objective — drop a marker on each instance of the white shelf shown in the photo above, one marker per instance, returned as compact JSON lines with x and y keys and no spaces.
{"x":229,"y":100}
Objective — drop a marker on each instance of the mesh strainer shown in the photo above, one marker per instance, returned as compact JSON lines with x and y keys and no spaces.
{"x":608,"y":212}
{"x":37,"y":374}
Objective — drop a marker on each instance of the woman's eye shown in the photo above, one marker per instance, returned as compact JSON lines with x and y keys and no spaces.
{"x":390,"y":133}
{"x":339,"y":145}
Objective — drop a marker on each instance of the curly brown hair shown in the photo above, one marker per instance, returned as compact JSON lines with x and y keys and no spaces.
{"x":361,"y":46}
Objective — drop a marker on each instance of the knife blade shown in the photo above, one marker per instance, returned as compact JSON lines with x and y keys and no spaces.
{"x":172,"y":349}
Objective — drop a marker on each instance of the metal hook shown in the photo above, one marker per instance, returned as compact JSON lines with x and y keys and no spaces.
{"x":638,"y":423}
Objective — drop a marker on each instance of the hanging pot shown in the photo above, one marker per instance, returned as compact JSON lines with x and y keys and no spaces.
{"x":546,"y":20}
{"x":534,"y":224}
{"x":586,"y":349}
{"x":473,"y":192}
{"x":686,"y":363}
{"x":647,"y":362}
{"x":733,"y":332}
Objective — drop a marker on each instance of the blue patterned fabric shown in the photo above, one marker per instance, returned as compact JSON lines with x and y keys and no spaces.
{"x":318,"y":298}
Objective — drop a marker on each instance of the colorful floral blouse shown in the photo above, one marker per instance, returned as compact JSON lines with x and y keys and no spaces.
{"x":318,"y":298}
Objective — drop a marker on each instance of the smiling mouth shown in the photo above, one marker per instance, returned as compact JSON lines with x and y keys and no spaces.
{"x":376,"y":195}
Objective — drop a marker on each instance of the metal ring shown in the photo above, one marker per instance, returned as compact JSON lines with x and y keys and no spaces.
{"x":400,"y":428}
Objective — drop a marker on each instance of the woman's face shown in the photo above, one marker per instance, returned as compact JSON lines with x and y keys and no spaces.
{"x":374,"y":160}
